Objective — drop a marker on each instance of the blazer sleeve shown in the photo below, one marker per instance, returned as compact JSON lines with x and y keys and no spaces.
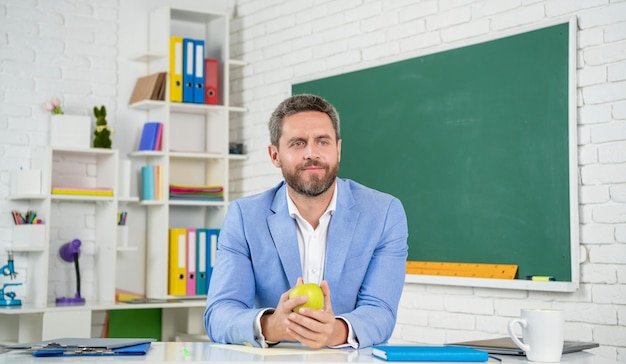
{"x":230,"y":312}
{"x":374,"y":318}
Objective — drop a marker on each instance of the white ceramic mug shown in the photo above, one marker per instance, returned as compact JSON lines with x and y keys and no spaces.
{"x":542,"y":332}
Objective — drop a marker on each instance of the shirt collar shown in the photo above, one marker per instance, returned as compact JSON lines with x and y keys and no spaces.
{"x":293,"y":210}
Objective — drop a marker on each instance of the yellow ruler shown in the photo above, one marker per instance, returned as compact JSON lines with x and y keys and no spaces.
{"x":476,"y":270}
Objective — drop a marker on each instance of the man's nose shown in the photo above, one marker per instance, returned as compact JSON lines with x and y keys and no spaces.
{"x":311,"y":151}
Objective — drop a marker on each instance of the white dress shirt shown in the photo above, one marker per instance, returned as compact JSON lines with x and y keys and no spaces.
{"x":312,"y":246}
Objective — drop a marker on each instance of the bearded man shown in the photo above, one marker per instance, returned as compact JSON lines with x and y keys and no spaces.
{"x":313,"y":227}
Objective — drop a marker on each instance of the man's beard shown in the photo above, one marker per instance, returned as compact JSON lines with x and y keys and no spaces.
{"x":316,"y":186}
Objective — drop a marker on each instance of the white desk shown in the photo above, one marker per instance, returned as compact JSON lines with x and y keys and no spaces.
{"x":196,"y":352}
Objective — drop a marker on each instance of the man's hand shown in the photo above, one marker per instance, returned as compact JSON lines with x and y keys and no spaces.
{"x":315,"y":328}
{"x":274,"y":324}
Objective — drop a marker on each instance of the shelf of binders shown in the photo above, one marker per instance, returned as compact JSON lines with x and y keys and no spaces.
{"x":195,"y":146}
{"x":145,"y":57}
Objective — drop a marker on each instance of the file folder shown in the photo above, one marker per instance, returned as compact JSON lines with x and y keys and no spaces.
{"x":198,"y":77}
{"x":177,"y":265}
{"x":201,"y":260}
{"x":212,"y":235}
{"x":188,"y":79}
{"x":151,"y":87}
{"x":139,"y":349}
{"x":504,"y":345}
{"x":191,"y":262}
{"x":210,"y":81}
{"x":176,"y":69}
{"x":86,"y":347}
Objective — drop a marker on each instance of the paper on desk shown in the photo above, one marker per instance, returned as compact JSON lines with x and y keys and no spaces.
{"x":282,"y":349}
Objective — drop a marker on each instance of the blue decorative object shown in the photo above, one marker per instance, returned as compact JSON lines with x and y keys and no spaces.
{"x":9,"y":271}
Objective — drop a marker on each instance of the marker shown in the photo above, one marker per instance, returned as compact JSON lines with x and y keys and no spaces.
{"x":540,"y":278}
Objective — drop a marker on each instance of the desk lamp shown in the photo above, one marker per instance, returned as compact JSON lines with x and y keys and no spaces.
{"x":70,"y":252}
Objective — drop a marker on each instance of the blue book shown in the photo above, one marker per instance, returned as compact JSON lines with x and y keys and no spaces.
{"x":147,"y":182}
{"x":149,"y":136}
{"x":428,"y":353}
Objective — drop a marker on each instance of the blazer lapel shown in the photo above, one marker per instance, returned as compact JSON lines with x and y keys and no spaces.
{"x":283,"y":231}
{"x":340,"y":234}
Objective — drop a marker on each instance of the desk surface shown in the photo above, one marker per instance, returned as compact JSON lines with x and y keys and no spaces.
{"x":195,"y":352}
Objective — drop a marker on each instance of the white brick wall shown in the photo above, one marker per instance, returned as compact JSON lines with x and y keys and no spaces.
{"x":54,"y":49}
{"x":50,"y":48}
{"x":334,"y":37}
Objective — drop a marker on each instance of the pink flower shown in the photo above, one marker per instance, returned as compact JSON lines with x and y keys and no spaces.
{"x":54,"y":106}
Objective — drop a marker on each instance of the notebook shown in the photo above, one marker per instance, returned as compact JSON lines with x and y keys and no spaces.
{"x":428,"y":353}
{"x":504,"y":345}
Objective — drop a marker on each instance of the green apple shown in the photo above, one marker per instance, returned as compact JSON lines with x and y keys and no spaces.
{"x":313,"y":292}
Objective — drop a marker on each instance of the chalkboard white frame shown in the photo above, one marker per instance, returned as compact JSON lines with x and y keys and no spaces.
{"x":519,"y":284}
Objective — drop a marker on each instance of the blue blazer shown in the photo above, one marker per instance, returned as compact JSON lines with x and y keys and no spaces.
{"x":258,"y":260}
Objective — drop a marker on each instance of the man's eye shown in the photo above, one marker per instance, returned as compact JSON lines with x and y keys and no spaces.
{"x":297,"y":144}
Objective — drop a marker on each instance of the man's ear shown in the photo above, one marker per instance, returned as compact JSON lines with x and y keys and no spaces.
{"x":339,"y":150}
{"x":273,"y":152}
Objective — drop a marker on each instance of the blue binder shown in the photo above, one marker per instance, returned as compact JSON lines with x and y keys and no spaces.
{"x":188,"y":69}
{"x":201,"y":261}
{"x":211,"y":252}
{"x":198,"y":89}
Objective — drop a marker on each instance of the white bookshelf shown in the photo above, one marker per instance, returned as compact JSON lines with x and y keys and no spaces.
{"x":194,"y":152}
{"x":36,"y":250}
{"x":195,"y":137}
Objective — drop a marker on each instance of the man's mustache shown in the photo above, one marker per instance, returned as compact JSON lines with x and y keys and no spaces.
{"x":313,"y":164}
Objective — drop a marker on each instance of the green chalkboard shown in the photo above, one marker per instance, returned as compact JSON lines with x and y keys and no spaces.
{"x":474,"y":142}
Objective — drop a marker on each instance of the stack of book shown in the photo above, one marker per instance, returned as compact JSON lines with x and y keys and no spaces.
{"x":200,"y":193}
{"x":151,"y":87}
{"x":82,"y":191}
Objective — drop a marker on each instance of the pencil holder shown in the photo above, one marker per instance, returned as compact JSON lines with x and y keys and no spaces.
{"x":28,"y":236}
{"x":122,"y":236}
{"x":26,"y":182}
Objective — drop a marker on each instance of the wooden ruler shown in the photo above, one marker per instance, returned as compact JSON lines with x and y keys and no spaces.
{"x":476,"y":270}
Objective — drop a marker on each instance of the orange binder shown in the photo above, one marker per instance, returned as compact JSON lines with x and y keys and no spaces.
{"x":177,"y":262}
{"x":176,"y":69}
{"x":210,"y":81}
